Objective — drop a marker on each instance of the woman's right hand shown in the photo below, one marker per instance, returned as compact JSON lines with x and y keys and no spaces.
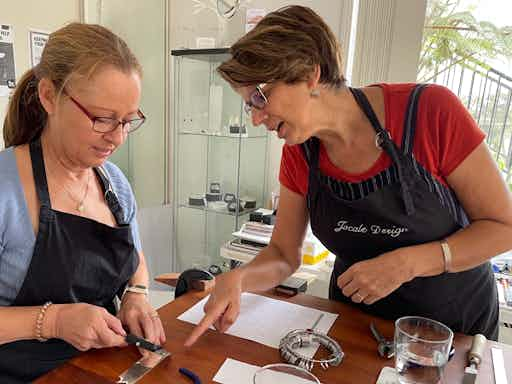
{"x":84,"y":326}
{"x":223,"y":306}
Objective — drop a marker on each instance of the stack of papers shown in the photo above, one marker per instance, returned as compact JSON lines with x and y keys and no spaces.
{"x":255,"y":232}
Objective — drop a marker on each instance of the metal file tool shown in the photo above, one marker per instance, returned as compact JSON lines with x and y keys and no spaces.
{"x":145,"y":364}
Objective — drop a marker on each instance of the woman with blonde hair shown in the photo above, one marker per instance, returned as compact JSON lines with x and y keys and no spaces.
{"x":69,"y":241}
{"x":395,"y":179}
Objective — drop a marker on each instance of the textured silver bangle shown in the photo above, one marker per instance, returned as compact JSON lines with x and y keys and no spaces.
{"x":39,"y":321}
{"x":302,"y":338}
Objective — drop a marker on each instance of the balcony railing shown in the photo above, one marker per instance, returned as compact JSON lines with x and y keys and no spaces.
{"x":487,"y":93}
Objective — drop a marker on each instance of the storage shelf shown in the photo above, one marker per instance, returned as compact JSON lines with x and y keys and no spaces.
{"x":234,"y":136}
{"x":204,"y":51}
{"x":223,"y":212}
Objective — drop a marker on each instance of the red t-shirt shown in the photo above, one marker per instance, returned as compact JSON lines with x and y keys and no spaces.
{"x":445,"y":135}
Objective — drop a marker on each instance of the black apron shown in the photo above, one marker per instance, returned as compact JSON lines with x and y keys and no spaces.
{"x":401,"y":206}
{"x":75,"y":260}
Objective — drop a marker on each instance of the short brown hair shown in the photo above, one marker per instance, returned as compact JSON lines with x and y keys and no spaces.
{"x":285,"y":45}
{"x":76,"y":49}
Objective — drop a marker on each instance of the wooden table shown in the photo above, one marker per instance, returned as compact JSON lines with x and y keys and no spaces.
{"x":361,"y":364}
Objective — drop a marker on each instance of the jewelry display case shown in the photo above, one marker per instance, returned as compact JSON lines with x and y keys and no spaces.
{"x":219,"y":159}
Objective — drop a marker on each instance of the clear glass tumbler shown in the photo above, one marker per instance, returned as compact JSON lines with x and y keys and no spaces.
{"x":422,"y":348}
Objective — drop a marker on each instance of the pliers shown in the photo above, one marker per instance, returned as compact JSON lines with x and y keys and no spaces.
{"x":191,"y":375}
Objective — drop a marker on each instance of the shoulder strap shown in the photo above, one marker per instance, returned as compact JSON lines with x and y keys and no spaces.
{"x":410,"y":119}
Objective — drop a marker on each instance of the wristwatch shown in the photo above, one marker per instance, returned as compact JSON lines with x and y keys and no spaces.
{"x":137,"y":288}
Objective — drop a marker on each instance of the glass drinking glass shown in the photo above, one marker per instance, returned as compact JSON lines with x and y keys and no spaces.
{"x":422,"y":348}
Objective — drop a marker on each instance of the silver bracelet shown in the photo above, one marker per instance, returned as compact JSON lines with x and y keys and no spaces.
{"x":300,"y":338}
{"x":447,"y":255}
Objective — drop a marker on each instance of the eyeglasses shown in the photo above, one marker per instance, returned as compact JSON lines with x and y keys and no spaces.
{"x":109,"y":124}
{"x":257,"y":99}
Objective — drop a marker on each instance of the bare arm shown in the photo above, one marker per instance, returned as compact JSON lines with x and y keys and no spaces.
{"x":141,"y":275}
{"x":282,"y":256}
{"x":486,"y":199}
{"x":272,"y":265}
{"x":488,"y":202}
{"x":18,"y":323}
{"x":136,"y":311}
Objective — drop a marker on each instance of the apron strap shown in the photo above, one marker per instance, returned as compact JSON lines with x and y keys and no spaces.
{"x":39,"y":172}
{"x":311,"y":149}
{"x":388,"y":145}
{"x":110,"y":195}
{"x":41,"y":184}
{"x":410,"y":119}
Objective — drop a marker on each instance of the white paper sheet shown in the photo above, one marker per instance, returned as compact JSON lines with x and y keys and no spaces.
{"x":236,"y":372}
{"x":267,"y":320}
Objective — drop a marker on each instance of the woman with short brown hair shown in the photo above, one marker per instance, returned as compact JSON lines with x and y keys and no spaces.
{"x":395,"y":179}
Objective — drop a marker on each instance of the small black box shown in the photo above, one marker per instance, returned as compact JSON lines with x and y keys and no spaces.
{"x":292,"y":285}
{"x":256,"y":216}
{"x":269,"y":219}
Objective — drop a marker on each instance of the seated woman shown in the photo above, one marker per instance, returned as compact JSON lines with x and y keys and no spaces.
{"x":69,"y":241}
{"x":395,"y":179}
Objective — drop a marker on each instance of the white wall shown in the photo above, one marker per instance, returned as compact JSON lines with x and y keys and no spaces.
{"x":47,"y":15}
{"x":388,"y":41}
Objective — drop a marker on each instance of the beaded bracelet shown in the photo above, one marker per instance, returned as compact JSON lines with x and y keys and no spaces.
{"x":39,"y":321}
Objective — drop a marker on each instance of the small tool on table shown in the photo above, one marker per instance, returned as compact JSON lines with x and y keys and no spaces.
{"x":191,"y":375}
{"x":385,"y":347}
{"x":474,"y":359}
{"x":144,"y":344}
{"x":144,"y":364}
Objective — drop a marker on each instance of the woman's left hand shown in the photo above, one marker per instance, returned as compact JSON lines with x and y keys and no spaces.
{"x":140,"y":318}
{"x":371,"y":280}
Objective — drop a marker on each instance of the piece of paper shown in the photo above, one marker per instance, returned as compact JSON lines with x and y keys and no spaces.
{"x":267,"y":321}
{"x":237,"y":372}
{"x":37,"y":40}
{"x":387,"y":376}
{"x":498,"y":363}
{"x":7,"y":65}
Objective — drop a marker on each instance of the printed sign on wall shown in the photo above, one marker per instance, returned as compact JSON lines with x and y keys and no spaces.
{"x":7,"y":69}
{"x":37,"y":41}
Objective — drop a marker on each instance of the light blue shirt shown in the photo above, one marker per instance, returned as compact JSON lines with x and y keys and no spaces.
{"x":17,"y":238}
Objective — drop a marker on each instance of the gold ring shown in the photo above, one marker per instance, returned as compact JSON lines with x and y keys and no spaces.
{"x":155,"y":316}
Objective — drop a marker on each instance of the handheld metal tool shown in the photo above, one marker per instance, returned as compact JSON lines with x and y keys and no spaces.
{"x":144,"y":344}
{"x":385,"y":347}
{"x":474,"y":359}
{"x":146,"y":363}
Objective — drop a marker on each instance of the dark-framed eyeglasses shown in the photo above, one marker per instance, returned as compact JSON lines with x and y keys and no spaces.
{"x":109,"y":124}
{"x":257,"y":99}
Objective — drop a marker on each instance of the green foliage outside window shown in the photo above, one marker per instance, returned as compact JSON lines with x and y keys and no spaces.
{"x":453,"y":35}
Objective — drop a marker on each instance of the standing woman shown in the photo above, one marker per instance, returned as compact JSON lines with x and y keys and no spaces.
{"x":395,"y":179}
{"x":69,"y":240}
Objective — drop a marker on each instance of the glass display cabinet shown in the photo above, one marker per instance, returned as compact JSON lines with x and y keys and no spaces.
{"x":219,"y":159}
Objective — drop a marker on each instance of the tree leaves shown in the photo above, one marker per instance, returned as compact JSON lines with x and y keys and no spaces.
{"x":453,"y":35}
